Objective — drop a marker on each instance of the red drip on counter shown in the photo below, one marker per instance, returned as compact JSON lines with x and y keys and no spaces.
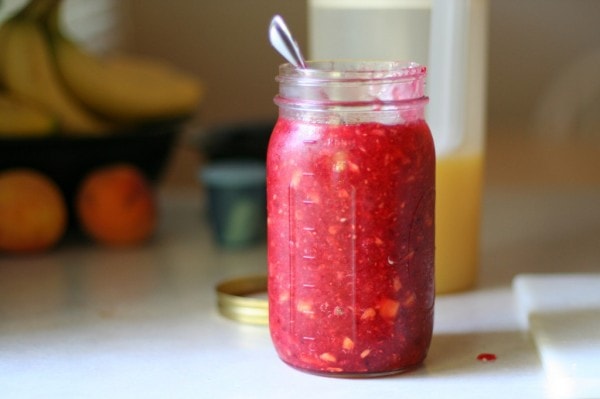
{"x":486,"y":357}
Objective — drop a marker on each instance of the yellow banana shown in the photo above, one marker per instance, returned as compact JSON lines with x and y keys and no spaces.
{"x":19,"y":119}
{"x":4,"y":28}
{"x":125,"y":89}
{"x":29,"y":72}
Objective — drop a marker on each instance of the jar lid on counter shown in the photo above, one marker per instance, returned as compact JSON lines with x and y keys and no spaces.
{"x":237,"y":300}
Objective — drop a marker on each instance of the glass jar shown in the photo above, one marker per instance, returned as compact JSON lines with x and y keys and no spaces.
{"x":350,"y":203}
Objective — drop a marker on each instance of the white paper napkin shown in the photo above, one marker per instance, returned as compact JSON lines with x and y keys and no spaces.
{"x":562,"y":311}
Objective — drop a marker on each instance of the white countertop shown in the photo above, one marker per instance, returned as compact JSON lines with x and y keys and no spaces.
{"x":87,"y":322}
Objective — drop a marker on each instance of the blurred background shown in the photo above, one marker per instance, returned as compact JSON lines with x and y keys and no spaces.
{"x":543,"y":80}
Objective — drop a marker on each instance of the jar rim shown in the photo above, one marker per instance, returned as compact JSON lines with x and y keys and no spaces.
{"x":357,"y":84}
{"x":319,"y":71}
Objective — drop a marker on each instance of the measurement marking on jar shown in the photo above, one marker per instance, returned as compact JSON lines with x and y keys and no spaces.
{"x":353,"y":259}
{"x":305,"y":259}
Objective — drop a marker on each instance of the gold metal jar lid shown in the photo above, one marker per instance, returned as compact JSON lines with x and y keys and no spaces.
{"x":235,"y":302}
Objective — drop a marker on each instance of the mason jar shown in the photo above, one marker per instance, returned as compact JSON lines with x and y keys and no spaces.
{"x":350,"y":203}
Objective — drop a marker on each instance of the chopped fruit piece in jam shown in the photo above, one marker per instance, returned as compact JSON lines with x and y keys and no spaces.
{"x":368,"y":314}
{"x":410,"y":300}
{"x":348,"y":344}
{"x":397,"y":284}
{"x":304,"y":307}
{"x":328,"y":357}
{"x":350,"y":246}
{"x":388,"y":308}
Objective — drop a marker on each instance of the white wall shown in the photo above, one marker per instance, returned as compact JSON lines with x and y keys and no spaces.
{"x":544,"y":66}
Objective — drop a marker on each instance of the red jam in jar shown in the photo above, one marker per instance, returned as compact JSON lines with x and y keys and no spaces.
{"x":350,"y":201}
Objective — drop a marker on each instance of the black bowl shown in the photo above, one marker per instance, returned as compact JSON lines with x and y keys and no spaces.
{"x":68,"y":159}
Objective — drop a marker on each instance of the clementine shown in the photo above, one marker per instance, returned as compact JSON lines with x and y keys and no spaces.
{"x":116,"y":206}
{"x":33,"y":212}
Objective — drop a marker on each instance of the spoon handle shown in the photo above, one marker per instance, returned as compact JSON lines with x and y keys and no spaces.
{"x":281,"y":39}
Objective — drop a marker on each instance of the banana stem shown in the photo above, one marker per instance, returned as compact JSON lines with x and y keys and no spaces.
{"x":51,"y":19}
{"x":38,"y":9}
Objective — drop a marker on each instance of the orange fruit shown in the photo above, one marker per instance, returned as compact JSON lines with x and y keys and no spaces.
{"x":33,"y":212}
{"x":115,"y":205}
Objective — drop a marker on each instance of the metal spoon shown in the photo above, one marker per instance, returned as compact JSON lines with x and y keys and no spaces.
{"x":282,"y":40}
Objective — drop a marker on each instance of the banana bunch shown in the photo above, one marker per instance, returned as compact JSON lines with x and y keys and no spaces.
{"x":19,"y":118}
{"x":49,"y":83}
